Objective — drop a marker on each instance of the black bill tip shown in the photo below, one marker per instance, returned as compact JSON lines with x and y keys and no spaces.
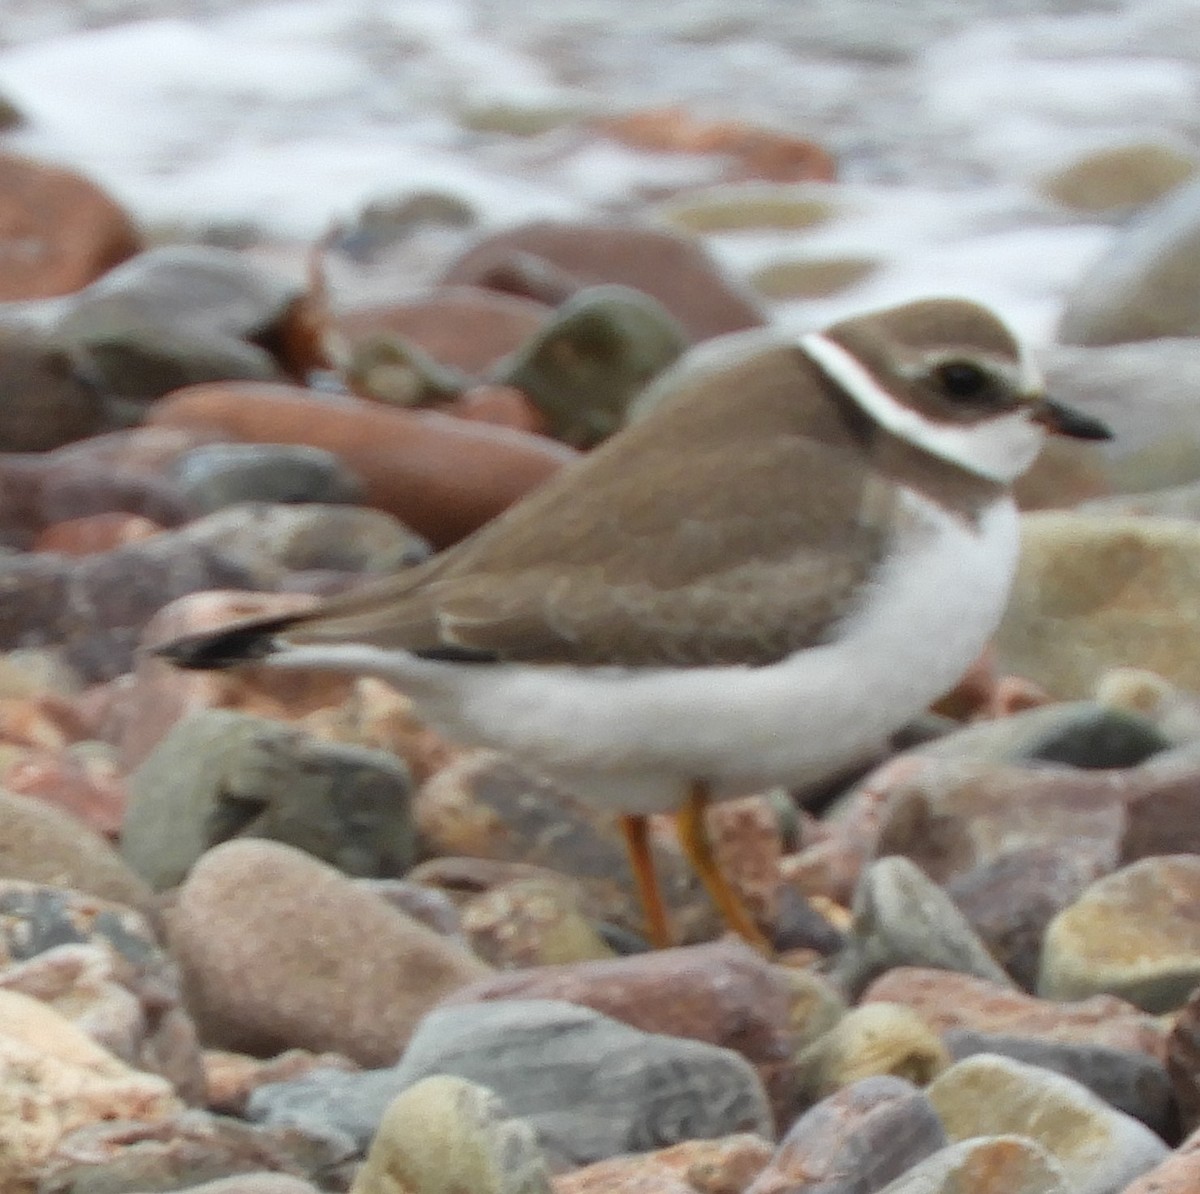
{"x":217,"y":650}
{"x":1060,"y":419}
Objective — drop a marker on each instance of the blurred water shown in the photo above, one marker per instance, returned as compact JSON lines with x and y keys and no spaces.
{"x":285,"y":116}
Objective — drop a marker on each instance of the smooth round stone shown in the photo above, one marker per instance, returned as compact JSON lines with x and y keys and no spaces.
{"x":741,"y":207}
{"x":443,"y":477}
{"x":220,"y":774}
{"x":1130,"y":1081}
{"x":280,"y":951}
{"x":986,"y":1165}
{"x":875,"y":1040}
{"x":857,"y":1139}
{"x":954,"y":815}
{"x":811,"y":278}
{"x":948,"y":1001}
{"x":590,"y":1087}
{"x":1143,"y":287}
{"x":902,"y":918}
{"x":550,"y":261}
{"x":723,"y":993}
{"x":60,"y":230}
{"x":217,"y":475}
{"x":1119,"y":178}
{"x":1093,"y":593}
{"x":445,"y":1135}
{"x":1087,"y":734}
{"x":46,"y":403}
{"x":177,"y":315}
{"x":41,"y":844}
{"x":1135,"y":933}
{"x":585,"y":366}
{"x":1099,"y":1148}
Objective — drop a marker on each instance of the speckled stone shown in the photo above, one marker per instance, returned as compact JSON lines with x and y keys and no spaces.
{"x":445,"y":1135}
{"x":1100,"y":1149}
{"x":1135,"y":933}
{"x":854,"y":1140}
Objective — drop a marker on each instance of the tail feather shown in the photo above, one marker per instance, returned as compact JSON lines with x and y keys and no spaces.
{"x":225,"y":648}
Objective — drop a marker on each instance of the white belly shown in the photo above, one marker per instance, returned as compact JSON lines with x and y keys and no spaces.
{"x":631,"y":740}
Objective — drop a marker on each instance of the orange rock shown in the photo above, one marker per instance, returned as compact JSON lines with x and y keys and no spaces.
{"x":502,"y":406}
{"x":725,"y":1166}
{"x":58,"y":231}
{"x":756,"y":152}
{"x":231,"y":1078}
{"x":983,"y":693}
{"x":550,"y":261}
{"x":93,"y":794}
{"x":94,"y":532}
{"x":441,"y":476}
{"x":949,"y":1000}
{"x":748,"y":844}
{"x":467,"y":327}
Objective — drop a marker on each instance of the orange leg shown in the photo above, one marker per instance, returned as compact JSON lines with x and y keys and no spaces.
{"x":636,"y":829}
{"x":693,"y":837}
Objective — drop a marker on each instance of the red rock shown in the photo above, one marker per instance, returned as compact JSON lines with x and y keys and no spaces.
{"x":952,"y":815}
{"x":503,"y":406}
{"x":756,"y":153}
{"x":725,"y":1166}
{"x":467,"y":327}
{"x":722,"y":993}
{"x":984,"y":693}
{"x":58,"y":231}
{"x":550,"y":261}
{"x":94,"y":532}
{"x":1162,"y":809}
{"x":441,"y":476}
{"x":947,"y":1000}
{"x":1183,"y":1063}
{"x":93,"y":794}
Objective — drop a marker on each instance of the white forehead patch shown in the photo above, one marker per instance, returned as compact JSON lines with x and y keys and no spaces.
{"x":1000,"y":448}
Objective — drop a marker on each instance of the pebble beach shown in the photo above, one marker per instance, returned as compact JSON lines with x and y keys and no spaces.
{"x":298,"y":294}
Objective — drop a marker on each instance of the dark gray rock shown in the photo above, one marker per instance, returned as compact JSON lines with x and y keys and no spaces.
{"x":213,"y":476}
{"x":1135,"y":1083}
{"x":591,"y":1087}
{"x":220,"y":774}
{"x":1076,"y":733}
{"x":174,"y":316}
{"x":855,"y":1140}
{"x":901,"y":918}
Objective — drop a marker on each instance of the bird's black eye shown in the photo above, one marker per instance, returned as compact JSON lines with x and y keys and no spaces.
{"x":962,"y":380}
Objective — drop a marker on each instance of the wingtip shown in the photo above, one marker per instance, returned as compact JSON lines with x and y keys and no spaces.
{"x":219,"y":649}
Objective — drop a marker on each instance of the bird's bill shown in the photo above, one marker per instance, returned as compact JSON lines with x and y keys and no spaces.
{"x":1060,"y":419}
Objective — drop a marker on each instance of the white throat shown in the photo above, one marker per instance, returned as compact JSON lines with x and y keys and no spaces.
{"x":999,"y":449}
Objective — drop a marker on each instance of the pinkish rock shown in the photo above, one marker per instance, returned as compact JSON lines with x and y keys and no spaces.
{"x":231,"y":1078}
{"x":94,"y":533}
{"x":467,"y":327}
{"x":951,"y":816}
{"x":724,"y":1166}
{"x":550,"y":261}
{"x":722,"y":993}
{"x":58,"y":231}
{"x":860,"y":1138}
{"x":441,"y":476}
{"x":947,"y":1000}
{"x":87,"y":788}
{"x":249,"y":926}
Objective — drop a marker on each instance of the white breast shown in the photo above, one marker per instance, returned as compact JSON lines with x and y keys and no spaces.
{"x":630,"y":740}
